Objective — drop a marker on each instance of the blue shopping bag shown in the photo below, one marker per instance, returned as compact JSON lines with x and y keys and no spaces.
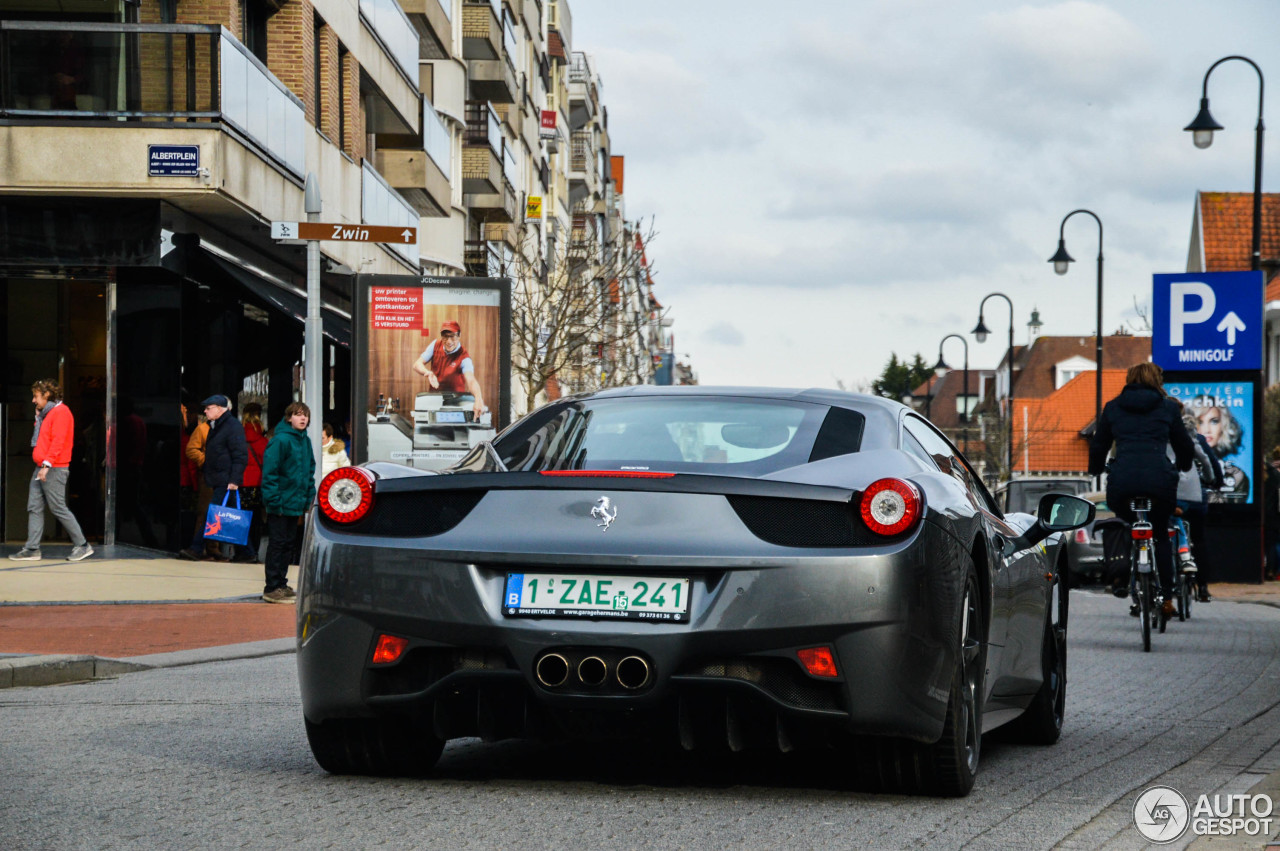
{"x":225,"y":523}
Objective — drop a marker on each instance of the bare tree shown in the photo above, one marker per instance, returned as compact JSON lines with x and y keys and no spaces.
{"x":575,"y":305}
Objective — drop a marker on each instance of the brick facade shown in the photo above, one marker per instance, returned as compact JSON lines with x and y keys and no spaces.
{"x":291,"y":50}
{"x":353,"y":105}
{"x":330,"y":98}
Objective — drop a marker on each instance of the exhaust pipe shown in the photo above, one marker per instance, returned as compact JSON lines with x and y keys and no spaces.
{"x":592,"y":671}
{"x":552,"y":670}
{"x":633,"y":673}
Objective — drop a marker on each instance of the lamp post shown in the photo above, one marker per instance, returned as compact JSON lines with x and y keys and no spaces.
{"x":1062,"y":261}
{"x":1202,"y":136}
{"x":980,"y":333}
{"x":940,"y":369}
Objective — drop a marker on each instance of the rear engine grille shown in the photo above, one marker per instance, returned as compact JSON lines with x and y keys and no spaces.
{"x":779,"y":677}
{"x":803,"y":522}
{"x":414,"y":514}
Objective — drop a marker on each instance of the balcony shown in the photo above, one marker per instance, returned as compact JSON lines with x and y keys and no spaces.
{"x":481,"y":151}
{"x":433,"y":21}
{"x":398,"y":36}
{"x":494,"y":206}
{"x":492,"y":80}
{"x":584,"y":94}
{"x":481,"y":30}
{"x":380,"y":204}
{"x":150,"y":75}
{"x":481,"y":258}
{"x":421,"y":174}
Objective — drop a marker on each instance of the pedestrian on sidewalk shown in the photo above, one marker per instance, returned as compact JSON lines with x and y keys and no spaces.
{"x":51,"y":441}
{"x":334,"y":454}
{"x":193,"y":449}
{"x":225,"y":457}
{"x":251,"y":494}
{"x":288,"y":487}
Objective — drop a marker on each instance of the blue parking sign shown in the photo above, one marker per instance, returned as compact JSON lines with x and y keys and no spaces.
{"x":1207,"y":321}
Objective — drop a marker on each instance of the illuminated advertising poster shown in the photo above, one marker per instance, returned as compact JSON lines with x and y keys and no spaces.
{"x":435,"y":364}
{"x":1222,"y":411}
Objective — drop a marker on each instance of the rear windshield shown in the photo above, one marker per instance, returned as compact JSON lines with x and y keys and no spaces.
{"x":724,"y":436}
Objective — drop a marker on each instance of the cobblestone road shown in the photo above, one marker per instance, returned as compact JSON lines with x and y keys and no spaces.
{"x":215,"y":756}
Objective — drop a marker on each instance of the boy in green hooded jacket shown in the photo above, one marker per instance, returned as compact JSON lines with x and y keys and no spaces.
{"x":288,"y":487}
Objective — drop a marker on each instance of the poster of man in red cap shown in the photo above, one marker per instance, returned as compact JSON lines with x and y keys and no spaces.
{"x":433,"y":366}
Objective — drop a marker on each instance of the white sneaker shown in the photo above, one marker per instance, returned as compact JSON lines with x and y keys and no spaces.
{"x":25,"y":554}
{"x":81,"y":552}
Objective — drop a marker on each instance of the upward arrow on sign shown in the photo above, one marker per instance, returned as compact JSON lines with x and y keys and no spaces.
{"x":1231,"y":324}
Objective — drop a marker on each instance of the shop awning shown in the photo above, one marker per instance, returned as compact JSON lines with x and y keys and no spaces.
{"x":336,"y":326}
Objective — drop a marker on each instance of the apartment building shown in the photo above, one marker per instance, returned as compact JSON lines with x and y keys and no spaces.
{"x":149,"y":144}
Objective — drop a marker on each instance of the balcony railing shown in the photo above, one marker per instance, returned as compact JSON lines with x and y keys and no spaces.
{"x":482,"y":126}
{"x":436,"y":140}
{"x":382,"y":205}
{"x":391,"y":25}
{"x":144,"y":73}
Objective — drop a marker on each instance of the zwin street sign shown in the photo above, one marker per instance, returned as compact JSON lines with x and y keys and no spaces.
{"x":1207,"y":320}
{"x":343,"y":232}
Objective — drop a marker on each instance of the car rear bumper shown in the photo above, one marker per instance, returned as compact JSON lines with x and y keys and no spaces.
{"x":889,"y":617}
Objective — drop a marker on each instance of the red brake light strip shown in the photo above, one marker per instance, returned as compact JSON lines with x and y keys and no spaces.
{"x":608,"y":474}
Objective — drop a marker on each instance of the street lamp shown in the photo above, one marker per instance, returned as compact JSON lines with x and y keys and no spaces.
{"x":940,"y":369}
{"x":1062,"y":261}
{"x":980,"y":333}
{"x":1202,"y":136}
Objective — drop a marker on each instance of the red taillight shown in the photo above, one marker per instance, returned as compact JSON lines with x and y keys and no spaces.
{"x":818,"y":661}
{"x":890,"y":506}
{"x":1142,"y":534}
{"x":608,"y":474}
{"x":1082,"y":537}
{"x":346,"y":494}
{"x":389,"y":649}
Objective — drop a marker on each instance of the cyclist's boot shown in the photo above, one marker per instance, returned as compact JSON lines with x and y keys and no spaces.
{"x":1168,"y":610}
{"x":1133,"y":610}
{"x":1203,"y":595}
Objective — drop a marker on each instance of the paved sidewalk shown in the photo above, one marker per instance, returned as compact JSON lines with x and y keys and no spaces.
{"x":64,"y":621}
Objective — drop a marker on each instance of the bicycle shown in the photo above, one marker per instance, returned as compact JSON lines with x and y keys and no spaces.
{"x":1185,"y":566}
{"x":1144,"y":579}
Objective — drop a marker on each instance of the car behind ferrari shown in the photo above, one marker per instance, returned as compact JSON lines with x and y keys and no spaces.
{"x":728,"y":567}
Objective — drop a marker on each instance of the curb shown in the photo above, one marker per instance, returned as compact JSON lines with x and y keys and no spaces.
{"x":32,"y":671}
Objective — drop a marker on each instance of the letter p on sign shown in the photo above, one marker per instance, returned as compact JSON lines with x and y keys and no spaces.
{"x":1179,"y":316}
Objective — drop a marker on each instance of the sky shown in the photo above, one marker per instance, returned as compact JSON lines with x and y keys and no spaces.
{"x":833,"y":182}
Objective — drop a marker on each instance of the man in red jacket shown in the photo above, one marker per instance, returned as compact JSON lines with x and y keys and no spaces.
{"x":51,"y":452}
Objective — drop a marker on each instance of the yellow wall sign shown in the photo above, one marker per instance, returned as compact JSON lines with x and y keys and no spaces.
{"x":533,"y":208}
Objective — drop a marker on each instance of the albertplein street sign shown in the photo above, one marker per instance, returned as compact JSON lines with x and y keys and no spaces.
{"x":343,"y":232}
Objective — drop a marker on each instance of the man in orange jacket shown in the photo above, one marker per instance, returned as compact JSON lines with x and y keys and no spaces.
{"x":51,"y":452}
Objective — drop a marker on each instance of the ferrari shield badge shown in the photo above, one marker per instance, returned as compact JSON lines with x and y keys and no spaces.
{"x":606,"y":512}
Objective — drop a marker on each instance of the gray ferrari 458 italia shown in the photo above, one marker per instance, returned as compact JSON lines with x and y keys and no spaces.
{"x":725,"y":567}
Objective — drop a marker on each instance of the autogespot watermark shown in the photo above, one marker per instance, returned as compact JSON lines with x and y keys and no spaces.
{"x":1162,"y":815}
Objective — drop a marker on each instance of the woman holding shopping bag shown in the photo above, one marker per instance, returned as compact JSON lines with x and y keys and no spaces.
{"x":288,"y":487}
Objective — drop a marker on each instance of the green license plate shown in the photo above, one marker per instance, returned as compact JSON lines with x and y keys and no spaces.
{"x":561,"y":595}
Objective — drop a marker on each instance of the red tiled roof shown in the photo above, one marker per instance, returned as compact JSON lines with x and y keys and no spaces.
{"x":1226,"y":227}
{"x":1036,"y":379}
{"x":1048,"y":439}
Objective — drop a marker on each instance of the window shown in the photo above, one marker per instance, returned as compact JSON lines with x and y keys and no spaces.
{"x":949,"y":460}
{"x":255,"y":15}
{"x":317,"y":51}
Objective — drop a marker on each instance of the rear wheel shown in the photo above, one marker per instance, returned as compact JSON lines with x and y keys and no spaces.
{"x":1185,"y":593}
{"x":954,"y":757}
{"x":384,"y":747}
{"x":1145,"y":609}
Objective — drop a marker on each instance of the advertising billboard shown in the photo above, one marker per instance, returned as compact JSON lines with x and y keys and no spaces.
{"x":1223,"y":412}
{"x":432,"y":365}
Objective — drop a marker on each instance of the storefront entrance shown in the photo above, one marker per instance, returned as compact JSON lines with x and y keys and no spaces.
{"x":55,"y":328}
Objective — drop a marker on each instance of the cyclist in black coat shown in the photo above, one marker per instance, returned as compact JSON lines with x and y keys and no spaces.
{"x":1142,"y":422}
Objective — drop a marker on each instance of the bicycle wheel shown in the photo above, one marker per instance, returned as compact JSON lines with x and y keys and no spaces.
{"x":1144,"y":609}
{"x":1185,"y":593}
{"x":1157,"y":607}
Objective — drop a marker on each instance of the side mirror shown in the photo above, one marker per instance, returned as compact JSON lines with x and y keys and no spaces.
{"x":1060,"y":512}
{"x":1057,"y":512}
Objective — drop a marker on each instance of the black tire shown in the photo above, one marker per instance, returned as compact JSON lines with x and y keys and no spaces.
{"x":1185,"y":596}
{"x":953,"y":759}
{"x":1144,"y":609}
{"x":1041,"y":722}
{"x":380,"y":747}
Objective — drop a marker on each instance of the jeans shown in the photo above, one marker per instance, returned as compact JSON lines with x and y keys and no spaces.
{"x":282,"y":530}
{"x":52,"y":492}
